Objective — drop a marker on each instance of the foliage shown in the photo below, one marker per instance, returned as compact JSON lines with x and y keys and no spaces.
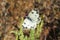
{"x":32,"y":35}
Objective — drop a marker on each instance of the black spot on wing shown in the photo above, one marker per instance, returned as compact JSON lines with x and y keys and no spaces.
{"x":37,"y":12}
{"x":32,"y":12}
{"x":24,"y":27}
{"x":32,"y":27}
{"x":29,"y":18}
{"x":24,"y":23}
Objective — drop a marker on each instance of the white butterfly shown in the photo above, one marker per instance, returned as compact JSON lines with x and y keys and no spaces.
{"x":32,"y":20}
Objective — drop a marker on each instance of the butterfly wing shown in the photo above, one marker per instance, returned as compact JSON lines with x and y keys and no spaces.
{"x":28,"y":24}
{"x":34,"y":15}
{"x":31,"y":20}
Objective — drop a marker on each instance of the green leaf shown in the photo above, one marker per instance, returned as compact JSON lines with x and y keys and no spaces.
{"x":32,"y":36}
